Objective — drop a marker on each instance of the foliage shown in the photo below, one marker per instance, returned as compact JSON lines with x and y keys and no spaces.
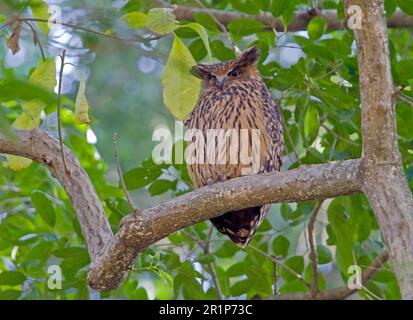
{"x":319,"y":98}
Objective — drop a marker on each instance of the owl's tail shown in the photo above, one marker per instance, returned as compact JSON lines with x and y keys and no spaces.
{"x":240,"y":226}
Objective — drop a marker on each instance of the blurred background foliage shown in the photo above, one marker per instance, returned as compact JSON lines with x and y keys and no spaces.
{"x":313,"y":75}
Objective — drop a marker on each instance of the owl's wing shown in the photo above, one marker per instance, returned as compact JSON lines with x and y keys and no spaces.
{"x":272,"y":155}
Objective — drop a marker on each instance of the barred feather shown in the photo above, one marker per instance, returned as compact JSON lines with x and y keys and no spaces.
{"x":242,"y":103}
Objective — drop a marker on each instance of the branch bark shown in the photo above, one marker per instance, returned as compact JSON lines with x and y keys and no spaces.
{"x":112,"y":257}
{"x":299,"y":22}
{"x":385,"y":183}
{"x":41,"y":147}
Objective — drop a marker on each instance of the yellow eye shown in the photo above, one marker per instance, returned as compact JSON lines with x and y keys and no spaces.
{"x":234,"y":73}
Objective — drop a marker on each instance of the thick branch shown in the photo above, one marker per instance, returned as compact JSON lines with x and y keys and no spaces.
{"x":138,"y":232}
{"x":113,"y":258}
{"x":299,"y":22}
{"x":44,"y":149}
{"x":385,"y":184}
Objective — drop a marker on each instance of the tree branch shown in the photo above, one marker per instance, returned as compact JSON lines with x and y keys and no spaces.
{"x":313,"y":248}
{"x":41,"y":147}
{"x":385,"y":184}
{"x":113,"y":257}
{"x":299,"y":22}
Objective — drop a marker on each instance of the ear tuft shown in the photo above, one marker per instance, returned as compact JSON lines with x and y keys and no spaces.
{"x":199,"y":71}
{"x":249,"y":56}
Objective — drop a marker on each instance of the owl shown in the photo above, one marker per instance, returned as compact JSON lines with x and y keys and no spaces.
{"x":234,"y":99}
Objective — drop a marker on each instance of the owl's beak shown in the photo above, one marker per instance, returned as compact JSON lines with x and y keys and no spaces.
{"x":220,"y":83}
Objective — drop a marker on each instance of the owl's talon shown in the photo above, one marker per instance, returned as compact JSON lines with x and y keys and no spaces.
{"x":210,"y":182}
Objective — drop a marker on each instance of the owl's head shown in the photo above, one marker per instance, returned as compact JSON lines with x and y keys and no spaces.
{"x":219,"y":75}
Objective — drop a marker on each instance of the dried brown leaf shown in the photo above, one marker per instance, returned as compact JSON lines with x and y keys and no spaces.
{"x":13,"y":40}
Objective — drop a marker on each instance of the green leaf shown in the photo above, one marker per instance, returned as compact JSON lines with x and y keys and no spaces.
{"x":404,"y":70}
{"x":279,"y":7}
{"x":10,"y":294}
{"x":245,"y":6}
{"x":139,"y":177}
{"x":205,"y":258}
{"x":237,"y":270}
{"x":245,"y":26}
{"x":404,"y":116}
{"x":16,"y":89}
{"x":44,"y":207}
{"x":317,"y":27}
{"x":222,"y":52}
{"x":161,"y":20}
{"x":180,"y":88}
{"x":40,"y":11}
{"x":240,"y":287}
{"x":206,"y":20}
{"x":311,"y":124}
{"x":11,"y":278}
{"x":281,"y":245}
{"x":203,"y":35}
{"x":286,"y":212}
{"x":71,"y":252}
{"x":82,"y":104}
{"x":323,"y":254}
{"x":135,"y":19}
{"x":293,"y":286}
{"x":296,"y":264}
{"x":344,"y":235}
{"x":160,"y":186}
{"x":228,"y":249}
{"x":406,"y":6}
{"x":165,"y":276}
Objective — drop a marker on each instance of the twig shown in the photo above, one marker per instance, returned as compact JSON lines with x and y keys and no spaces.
{"x":119,"y":171}
{"x":338,"y":136}
{"x":36,"y":40}
{"x":224,"y":30}
{"x":406,"y":99}
{"x":290,"y":139}
{"x":338,"y":293}
{"x":313,"y":248}
{"x":107,"y":35}
{"x":275,"y":290}
{"x":59,"y":96}
{"x":212,"y":267}
{"x":204,"y":244}
{"x":287,"y":268}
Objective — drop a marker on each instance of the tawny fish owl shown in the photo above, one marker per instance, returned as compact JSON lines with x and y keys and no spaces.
{"x":233,"y":98}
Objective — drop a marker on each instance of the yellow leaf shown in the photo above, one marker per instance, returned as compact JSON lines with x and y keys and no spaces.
{"x":82,"y":105}
{"x":180,"y":88}
{"x":43,"y":76}
{"x":134,"y":19}
{"x":41,"y":11}
{"x":24,"y":121}
{"x":18,"y":163}
{"x":161,"y":20}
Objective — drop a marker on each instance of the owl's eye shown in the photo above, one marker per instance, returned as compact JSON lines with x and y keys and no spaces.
{"x":234,"y":73}
{"x":210,"y":76}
